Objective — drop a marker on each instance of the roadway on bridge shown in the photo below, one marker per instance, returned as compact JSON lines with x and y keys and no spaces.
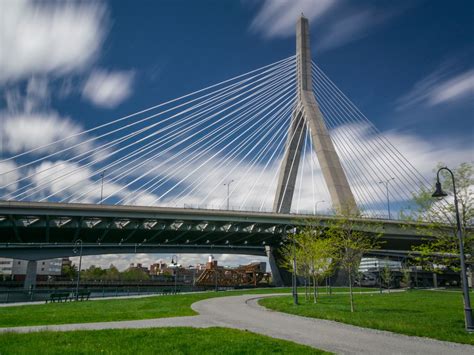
{"x":243,"y":312}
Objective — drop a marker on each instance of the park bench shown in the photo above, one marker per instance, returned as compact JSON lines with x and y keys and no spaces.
{"x":83,"y":296}
{"x":58,"y":297}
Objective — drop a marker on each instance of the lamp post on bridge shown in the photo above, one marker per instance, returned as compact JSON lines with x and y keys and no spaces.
{"x":469,"y":323}
{"x":386,"y":183}
{"x":78,"y":244}
{"x":102,"y":186}
{"x":316,"y":206}
{"x":228,"y":193}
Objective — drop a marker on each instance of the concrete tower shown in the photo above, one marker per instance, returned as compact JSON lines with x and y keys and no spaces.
{"x":307,"y":114}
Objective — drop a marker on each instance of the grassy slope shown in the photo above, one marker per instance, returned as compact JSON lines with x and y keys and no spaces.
{"x":112,"y":310}
{"x":151,"y":341}
{"x":422,"y":313}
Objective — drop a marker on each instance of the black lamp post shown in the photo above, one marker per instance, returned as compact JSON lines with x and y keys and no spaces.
{"x":465,"y":287}
{"x":77,"y":244}
{"x":294,"y":280}
{"x":174,"y":261}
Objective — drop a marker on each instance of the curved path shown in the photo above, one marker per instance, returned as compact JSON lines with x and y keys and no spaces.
{"x":243,"y":312}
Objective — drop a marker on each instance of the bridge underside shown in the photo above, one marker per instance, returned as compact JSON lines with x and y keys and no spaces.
{"x":35,"y":231}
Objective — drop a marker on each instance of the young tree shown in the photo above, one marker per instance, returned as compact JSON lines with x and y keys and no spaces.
{"x":387,"y":276}
{"x":406,"y":277}
{"x":352,"y":240}
{"x":322,"y":254}
{"x":436,"y":222}
{"x":314,"y":252}
{"x":297,"y":246}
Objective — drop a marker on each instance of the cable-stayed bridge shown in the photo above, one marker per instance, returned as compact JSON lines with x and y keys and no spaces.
{"x":224,"y":169}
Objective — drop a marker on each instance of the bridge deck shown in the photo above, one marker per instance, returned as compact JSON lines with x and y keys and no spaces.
{"x":119,"y":229}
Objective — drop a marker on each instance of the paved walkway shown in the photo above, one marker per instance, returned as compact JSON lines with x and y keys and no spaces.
{"x":243,"y":312}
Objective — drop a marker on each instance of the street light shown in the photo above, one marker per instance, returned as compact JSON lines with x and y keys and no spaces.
{"x":174,"y":261}
{"x":465,"y":287}
{"x":228,"y":195}
{"x":102,"y":187}
{"x":316,"y":206}
{"x":386,"y":183}
{"x":293,"y":279}
{"x":76,"y":245}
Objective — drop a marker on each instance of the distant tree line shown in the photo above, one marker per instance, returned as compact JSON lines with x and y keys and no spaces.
{"x":96,"y":273}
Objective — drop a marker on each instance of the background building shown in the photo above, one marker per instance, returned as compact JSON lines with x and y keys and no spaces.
{"x":15,"y":269}
{"x":370,"y":264}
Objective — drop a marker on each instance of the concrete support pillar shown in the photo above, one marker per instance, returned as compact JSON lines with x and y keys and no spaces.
{"x":334,"y":175}
{"x":277,"y":279}
{"x":30,"y":277}
{"x":341,"y":195}
{"x":290,"y":164}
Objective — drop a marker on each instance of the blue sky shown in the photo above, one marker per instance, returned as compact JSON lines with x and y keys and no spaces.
{"x":407,"y":64}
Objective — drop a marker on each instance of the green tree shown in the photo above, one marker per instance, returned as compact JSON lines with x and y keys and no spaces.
{"x":314,"y":253}
{"x":70,"y":271}
{"x":406,"y":277}
{"x":387,"y":276}
{"x":322,"y":256}
{"x":93,"y":273}
{"x":352,"y":238}
{"x":296,"y":248}
{"x":112,"y":273}
{"x":134,"y":274}
{"x":436,"y":222}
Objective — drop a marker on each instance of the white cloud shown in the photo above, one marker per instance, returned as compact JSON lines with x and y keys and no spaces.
{"x":454,"y":89}
{"x":337,"y":22}
{"x":60,"y":178}
{"x":49,"y":37}
{"x":64,"y":179}
{"x":23,"y":132}
{"x":278,"y":18}
{"x":108,"y":89}
{"x":358,"y":147}
{"x":346,"y":29}
{"x":28,"y":123}
{"x":439,"y":87}
{"x":9,"y":175}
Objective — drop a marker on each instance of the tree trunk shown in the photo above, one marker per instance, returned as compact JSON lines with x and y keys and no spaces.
{"x":315,"y":289}
{"x":306,"y":288}
{"x":350,"y":290}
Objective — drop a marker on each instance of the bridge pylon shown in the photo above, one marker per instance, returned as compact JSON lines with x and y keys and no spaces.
{"x":307,"y":115}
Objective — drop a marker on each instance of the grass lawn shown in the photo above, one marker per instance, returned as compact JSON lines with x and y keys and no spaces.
{"x":433,"y":314}
{"x":114,"y":310}
{"x":150,"y":341}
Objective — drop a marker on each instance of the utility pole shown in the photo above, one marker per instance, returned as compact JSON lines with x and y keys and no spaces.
{"x":386,"y":183}
{"x":228,"y":193}
{"x":174,"y":261}
{"x":102,"y":187}
{"x":316,"y":206}
{"x":78,"y":244}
